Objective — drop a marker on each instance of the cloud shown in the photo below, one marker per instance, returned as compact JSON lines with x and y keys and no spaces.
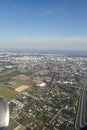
{"x":74,"y":42}
{"x":53,"y":11}
{"x":48,"y":12}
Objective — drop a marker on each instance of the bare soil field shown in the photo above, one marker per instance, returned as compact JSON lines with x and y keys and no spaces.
{"x":19,"y":128}
{"x":21,"y":88}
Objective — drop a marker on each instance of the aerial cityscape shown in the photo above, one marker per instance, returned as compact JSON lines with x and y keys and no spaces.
{"x":43,"y":89}
{"x":43,"y":64}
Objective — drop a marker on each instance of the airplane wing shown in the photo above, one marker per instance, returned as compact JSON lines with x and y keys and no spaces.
{"x":4,"y":113}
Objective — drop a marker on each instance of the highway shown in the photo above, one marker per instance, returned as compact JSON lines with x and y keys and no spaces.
{"x":81,"y":113}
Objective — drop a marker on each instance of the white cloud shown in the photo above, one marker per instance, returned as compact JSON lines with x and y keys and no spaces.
{"x":75,"y":42}
{"x":48,"y":12}
{"x":54,"y":11}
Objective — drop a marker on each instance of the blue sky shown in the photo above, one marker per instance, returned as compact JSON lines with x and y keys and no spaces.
{"x":43,"y":24}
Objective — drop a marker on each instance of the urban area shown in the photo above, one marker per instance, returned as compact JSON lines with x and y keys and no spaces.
{"x":42,"y":88}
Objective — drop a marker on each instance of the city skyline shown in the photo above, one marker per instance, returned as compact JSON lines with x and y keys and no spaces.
{"x":46,"y":24}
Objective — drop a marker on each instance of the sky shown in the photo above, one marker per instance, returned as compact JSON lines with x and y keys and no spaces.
{"x":43,"y":24}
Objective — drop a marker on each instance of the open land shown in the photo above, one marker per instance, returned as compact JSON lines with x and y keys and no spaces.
{"x":21,"y":88}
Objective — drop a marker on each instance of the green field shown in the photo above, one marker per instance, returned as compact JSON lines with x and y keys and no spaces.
{"x":5,"y":91}
{"x":12,"y":125}
{"x":11,"y":79}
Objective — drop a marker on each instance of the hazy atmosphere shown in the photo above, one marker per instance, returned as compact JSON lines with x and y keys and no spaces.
{"x":43,"y":24}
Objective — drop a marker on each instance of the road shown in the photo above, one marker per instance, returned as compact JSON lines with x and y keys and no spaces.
{"x":53,"y":118}
{"x":80,"y":118}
